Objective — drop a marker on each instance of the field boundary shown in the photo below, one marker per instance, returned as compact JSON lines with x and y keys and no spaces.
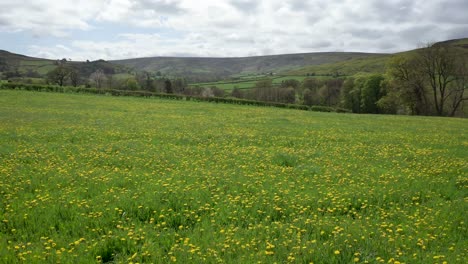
{"x":147,"y":94}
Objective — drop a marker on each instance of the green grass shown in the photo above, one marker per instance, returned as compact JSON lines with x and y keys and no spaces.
{"x":249,"y":83}
{"x":372,"y":64}
{"x":111,"y":179}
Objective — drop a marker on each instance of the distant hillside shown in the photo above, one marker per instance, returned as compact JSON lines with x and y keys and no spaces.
{"x":218,"y":68}
{"x":369,"y":64}
{"x":211,"y":69}
{"x":37,"y":67}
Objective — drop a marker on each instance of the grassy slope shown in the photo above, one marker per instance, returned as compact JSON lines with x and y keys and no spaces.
{"x":43,"y":66}
{"x":371,"y":64}
{"x":375,"y":64}
{"x":249,"y":83}
{"x":85,"y":178}
{"x":225,"y":67}
{"x":25,"y":63}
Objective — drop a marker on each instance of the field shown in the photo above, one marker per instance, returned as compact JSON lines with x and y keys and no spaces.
{"x":88,"y":178}
{"x":249,"y":83}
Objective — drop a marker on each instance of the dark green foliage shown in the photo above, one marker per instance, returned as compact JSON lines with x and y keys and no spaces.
{"x":59,"y":75}
{"x":290,"y":83}
{"x":371,"y":93}
{"x":168,"y":86}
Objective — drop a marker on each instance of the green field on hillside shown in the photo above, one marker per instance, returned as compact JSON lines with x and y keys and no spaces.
{"x":249,"y":83}
{"x":376,"y":64}
{"x":87,"y":178}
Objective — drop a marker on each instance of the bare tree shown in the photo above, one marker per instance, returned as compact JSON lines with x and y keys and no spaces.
{"x":460,"y":85}
{"x":437,"y":63}
{"x":437,"y":71}
{"x":98,"y":77}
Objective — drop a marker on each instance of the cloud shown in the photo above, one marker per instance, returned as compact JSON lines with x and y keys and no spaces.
{"x":231,"y":27}
{"x":246,"y":6}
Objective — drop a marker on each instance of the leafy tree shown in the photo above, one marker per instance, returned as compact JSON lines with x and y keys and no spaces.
{"x":265,"y":83}
{"x":290,"y":83}
{"x":287,"y":95}
{"x":310,"y":97}
{"x":132,"y":84}
{"x":371,"y":93}
{"x":409,"y":83}
{"x":330,"y":92}
{"x":3,"y":65}
{"x":58,"y":75}
{"x":179,"y":85}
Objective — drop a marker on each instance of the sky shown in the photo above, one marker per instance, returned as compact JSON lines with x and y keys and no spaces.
{"x":119,"y":29}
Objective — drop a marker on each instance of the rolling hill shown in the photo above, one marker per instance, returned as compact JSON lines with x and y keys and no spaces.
{"x":201,"y":69}
{"x":219,"y":68}
{"x":371,"y":64}
{"x":38,"y":67}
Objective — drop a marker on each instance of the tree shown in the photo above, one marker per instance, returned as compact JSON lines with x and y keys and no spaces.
{"x":290,"y":83}
{"x":410,"y":85}
{"x":288,"y":95}
{"x":74,"y":77}
{"x":437,"y":63}
{"x":168,"y":86}
{"x":330,"y":91}
{"x":110,"y":81}
{"x":98,"y":78}
{"x":431,"y":79}
{"x":460,"y":85}
{"x":310,"y":97}
{"x":371,"y":93}
{"x":237,"y":93}
{"x":3,"y":65}
{"x":217,"y":92}
{"x":131,"y":84}
{"x":58,"y":75}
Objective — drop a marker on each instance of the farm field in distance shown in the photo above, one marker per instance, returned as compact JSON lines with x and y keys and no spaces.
{"x":249,"y":82}
{"x":87,"y":178}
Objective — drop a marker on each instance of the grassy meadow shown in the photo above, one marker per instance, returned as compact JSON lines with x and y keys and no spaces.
{"x":87,"y":178}
{"x":249,"y":83}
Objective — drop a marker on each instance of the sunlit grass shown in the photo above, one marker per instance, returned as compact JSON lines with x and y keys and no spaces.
{"x":98,"y":179}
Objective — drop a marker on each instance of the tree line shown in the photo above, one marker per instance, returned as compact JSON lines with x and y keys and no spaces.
{"x":431,"y":81}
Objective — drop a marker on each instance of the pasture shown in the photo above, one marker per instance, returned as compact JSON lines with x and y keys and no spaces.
{"x":249,"y":82}
{"x":86,"y":178}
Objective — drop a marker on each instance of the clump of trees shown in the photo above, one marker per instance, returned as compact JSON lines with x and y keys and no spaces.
{"x":63,"y":75}
{"x":432,"y":81}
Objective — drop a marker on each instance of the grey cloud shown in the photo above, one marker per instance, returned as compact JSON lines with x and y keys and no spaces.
{"x":457,"y":32}
{"x":316,"y":45}
{"x":419,"y":33}
{"x":387,"y":45}
{"x":452,"y":11}
{"x":245,"y":6}
{"x":160,"y":6}
{"x":394,"y":11}
{"x":367,"y":33}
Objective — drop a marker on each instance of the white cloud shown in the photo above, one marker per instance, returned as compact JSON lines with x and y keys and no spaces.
{"x":234,"y":27}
